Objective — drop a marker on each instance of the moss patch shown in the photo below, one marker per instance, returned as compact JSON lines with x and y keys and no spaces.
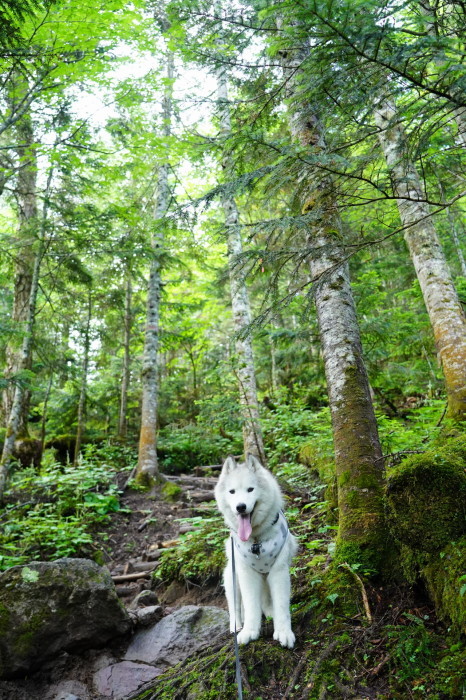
{"x":171,"y":492}
{"x":443,"y":576}
{"x":426,"y":497}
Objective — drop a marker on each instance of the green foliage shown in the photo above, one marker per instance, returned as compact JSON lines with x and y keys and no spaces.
{"x":411,"y":649}
{"x":199,"y":557}
{"x":182,"y":448}
{"x":57,"y":512}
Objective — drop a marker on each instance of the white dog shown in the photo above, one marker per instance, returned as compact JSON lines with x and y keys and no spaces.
{"x":250,"y":500}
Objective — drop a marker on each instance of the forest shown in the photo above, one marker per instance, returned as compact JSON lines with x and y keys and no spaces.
{"x":239,"y":228}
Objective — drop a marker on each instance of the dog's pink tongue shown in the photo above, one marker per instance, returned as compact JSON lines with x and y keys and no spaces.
{"x":244,"y":527}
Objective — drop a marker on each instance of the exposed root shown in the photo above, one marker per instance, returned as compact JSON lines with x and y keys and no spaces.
{"x":365,"y":600}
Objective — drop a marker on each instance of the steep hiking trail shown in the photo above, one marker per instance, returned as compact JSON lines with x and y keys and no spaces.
{"x":146,"y":525}
{"x":355,"y":637}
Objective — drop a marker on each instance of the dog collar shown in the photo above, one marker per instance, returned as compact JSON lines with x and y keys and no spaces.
{"x":262,"y":555}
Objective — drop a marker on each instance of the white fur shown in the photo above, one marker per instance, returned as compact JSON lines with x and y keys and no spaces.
{"x":256,"y":593}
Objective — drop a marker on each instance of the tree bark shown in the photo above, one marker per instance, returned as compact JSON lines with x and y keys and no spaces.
{"x":83,"y":392}
{"x":440,"y":297}
{"x":361,"y":530}
{"x":244,"y":360}
{"x":122,"y":421}
{"x":28,"y":224}
{"x":14,"y":420}
{"x":147,"y":471}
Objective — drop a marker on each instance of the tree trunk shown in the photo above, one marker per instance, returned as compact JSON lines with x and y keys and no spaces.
{"x":361,"y":530}
{"x":43,"y":422}
{"x":26,"y":196}
{"x":83,"y":392}
{"x":446,"y":315}
{"x":147,"y":471}
{"x":244,"y":360}
{"x":123,"y":422}
{"x":14,"y":420}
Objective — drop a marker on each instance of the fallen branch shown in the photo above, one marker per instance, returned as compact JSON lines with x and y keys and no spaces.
{"x":131,"y":577}
{"x":365,"y":600}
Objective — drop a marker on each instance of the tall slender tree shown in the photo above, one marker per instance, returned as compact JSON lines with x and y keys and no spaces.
{"x":122,"y":419}
{"x":81,"y":424}
{"x":244,"y":360}
{"x":27,"y":231}
{"x":439,"y":293}
{"x":147,"y":471}
{"x":361,"y":529}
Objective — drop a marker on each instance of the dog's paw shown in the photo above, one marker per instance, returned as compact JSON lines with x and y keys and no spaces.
{"x":246,"y":636}
{"x":285,"y":637}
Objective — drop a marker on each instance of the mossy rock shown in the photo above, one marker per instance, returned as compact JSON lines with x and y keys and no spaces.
{"x":50,"y":607}
{"x":171,"y":492}
{"x":426,"y":497}
{"x":443,"y":576}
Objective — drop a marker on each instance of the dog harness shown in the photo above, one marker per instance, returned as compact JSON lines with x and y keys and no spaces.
{"x":261,"y":556}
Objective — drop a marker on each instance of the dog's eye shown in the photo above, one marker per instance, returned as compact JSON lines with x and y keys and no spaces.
{"x":232,"y":490}
{"x":251,"y":488}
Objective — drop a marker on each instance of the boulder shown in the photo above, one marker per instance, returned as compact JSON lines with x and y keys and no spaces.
{"x":119,"y":680}
{"x":177,"y":636}
{"x":50,"y":607}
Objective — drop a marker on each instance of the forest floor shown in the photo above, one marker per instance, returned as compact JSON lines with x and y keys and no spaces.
{"x":144,"y":526}
{"x":338,"y":653}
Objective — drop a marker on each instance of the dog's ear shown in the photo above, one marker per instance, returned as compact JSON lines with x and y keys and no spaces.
{"x":252,"y":462}
{"x":229,"y":465}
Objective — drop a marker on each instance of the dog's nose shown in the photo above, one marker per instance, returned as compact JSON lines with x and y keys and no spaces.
{"x":241,"y":507}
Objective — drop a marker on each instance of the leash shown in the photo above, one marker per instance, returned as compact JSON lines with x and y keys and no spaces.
{"x":239,"y":682}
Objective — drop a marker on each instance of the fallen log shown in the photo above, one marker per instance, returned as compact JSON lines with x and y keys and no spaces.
{"x":132,"y":577}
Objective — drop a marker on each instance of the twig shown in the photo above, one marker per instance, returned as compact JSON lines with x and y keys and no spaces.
{"x":365,"y":600}
{"x":131,"y":476}
{"x":295,"y":676}
{"x":376,"y":670}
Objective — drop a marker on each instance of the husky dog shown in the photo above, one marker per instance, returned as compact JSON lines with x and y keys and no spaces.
{"x":250,"y":500}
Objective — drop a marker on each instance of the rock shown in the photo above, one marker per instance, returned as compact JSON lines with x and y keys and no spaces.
{"x":121,"y":679}
{"x":174,"y":592}
{"x":68,"y":690}
{"x":50,"y":607}
{"x":143,"y":599}
{"x":178,"y":635}
{"x":147,"y":616}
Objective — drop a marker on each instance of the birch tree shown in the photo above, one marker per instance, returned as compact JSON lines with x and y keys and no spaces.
{"x":147,"y":471}
{"x":361,"y":531}
{"x":83,"y":390}
{"x":441,"y":299}
{"x":26,"y":198}
{"x":244,"y":360}
{"x":14,"y":420}
{"x":122,"y":419}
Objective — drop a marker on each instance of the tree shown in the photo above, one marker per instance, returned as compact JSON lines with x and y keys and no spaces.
{"x":361,"y":529}
{"x":244,"y":359}
{"x":440,"y":296}
{"x":147,"y":469}
{"x":122,"y":419}
{"x":26,"y":197}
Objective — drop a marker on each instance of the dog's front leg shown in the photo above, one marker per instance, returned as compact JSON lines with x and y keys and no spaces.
{"x":280,"y":590}
{"x":250,"y":583}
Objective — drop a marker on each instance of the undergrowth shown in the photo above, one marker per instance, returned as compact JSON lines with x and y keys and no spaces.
{"x":57,"y":512}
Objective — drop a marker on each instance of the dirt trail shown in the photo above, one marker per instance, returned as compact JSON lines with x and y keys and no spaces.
{"x":131,"y":547}
{"x":150,"y":524}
